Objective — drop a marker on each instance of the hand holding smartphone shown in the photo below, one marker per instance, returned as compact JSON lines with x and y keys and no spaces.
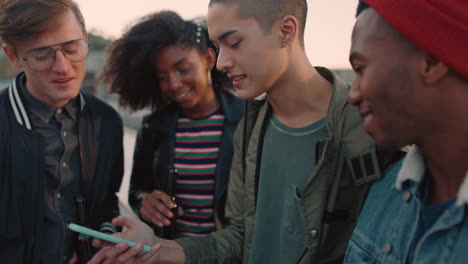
{"x":93,"y":233}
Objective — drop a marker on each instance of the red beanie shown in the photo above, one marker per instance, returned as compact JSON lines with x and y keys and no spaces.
{"x":438,"y":26}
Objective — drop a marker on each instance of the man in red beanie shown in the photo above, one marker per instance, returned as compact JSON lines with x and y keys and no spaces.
{"x":411,"y":86}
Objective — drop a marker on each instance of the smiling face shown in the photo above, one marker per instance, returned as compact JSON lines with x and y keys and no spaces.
{"x":184,"y":77}
{"x":386,"y":87}
{"x":252,"y":59}
{"x":60,"y":83}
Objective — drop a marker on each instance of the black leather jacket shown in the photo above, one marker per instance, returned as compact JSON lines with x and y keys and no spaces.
{"x":22,"y":202}
{"x":154,"y":151}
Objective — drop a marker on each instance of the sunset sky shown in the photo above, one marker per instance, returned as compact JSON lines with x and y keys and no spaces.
{"x":328,"y":29}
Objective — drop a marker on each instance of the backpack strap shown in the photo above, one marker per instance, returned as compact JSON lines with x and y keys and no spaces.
{"x":252,"y":108}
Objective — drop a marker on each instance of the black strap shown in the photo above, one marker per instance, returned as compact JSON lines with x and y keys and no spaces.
{"x":251,"y":114}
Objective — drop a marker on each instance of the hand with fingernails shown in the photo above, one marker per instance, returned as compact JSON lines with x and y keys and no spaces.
{"x":156,"y":209}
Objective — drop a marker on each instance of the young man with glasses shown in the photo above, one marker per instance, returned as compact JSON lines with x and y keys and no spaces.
{"x":56,"y":143}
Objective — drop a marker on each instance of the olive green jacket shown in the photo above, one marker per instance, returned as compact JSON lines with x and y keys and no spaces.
{"x":332,"y":198}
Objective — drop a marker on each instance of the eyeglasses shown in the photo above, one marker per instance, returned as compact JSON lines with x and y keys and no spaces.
{"x":43,"y":58}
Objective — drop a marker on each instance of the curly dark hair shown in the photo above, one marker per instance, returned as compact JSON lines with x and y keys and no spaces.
{"x":130,"y":69}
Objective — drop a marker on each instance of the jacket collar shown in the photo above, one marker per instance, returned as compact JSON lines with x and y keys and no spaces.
{"x":18,"y":104}
{"x":339,"y":94}
{"x":165,"y":120}
{"x":340,"y":91}
{"x":414,"y":169}
{"x":227,"y":101}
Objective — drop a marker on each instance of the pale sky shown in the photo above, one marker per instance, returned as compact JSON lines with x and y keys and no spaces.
{"x":327,"y":37}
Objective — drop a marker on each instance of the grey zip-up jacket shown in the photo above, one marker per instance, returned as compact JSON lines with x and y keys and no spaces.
{"x":332,"y":198}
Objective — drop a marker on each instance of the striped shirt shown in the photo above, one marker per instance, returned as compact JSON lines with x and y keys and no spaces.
{"x":196,"y":155}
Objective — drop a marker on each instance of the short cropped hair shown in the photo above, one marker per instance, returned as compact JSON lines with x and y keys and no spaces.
{"x":22,"y":19}
{"x":267,"y":12}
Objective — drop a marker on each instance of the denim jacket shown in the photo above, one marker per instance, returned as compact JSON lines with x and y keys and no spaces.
{"x":388,"y":222}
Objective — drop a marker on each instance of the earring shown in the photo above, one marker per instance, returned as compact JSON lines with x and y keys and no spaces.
{"x":284,"y":45}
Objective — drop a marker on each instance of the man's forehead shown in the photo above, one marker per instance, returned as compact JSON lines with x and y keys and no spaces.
{"x":50,"y":37}
{"x":220,"y":12}
{"x":222,"y":18}
{"x":368,"y":22}
{"x":370,"y":26}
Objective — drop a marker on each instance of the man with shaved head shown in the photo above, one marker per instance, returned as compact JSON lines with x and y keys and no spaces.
{"x":302,"y":163}
{"x":411,"y":86}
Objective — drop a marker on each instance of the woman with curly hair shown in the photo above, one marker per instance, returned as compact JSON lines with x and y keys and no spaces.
{"x":167,"y":63}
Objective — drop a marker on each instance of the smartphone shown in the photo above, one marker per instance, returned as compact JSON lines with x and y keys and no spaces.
{"x":93,"y":233}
